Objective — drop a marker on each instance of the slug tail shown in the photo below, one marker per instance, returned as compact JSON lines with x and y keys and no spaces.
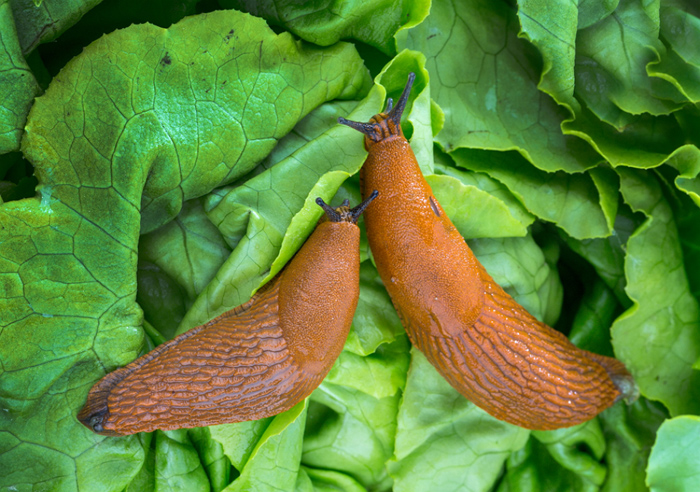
{"x":621,"y":377}
{"x":96,"y":411}
{"x":95,"y":414}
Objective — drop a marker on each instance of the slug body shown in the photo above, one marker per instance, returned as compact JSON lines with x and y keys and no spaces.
{"x":254,"y":361}
{"x":484,"y":344}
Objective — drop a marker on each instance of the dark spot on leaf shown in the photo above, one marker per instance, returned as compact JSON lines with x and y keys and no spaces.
{"x":166,"y":60}
{"x":228,"y":37}
{"x":431,"y":36}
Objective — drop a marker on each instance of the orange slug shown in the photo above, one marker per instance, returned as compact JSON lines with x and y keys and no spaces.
{"x":254,"y":361}
{"x":484,"y":344}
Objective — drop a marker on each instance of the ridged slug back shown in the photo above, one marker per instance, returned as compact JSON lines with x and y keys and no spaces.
{"x":254,"y":361}
{"x":485,"y":344}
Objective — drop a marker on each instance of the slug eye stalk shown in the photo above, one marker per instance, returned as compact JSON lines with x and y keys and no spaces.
{"x":383,"y":125}
{"x":344,"y":213}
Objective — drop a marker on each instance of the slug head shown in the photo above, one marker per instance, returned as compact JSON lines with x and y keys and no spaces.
{"x":385,"y":124}
{"x":94,"y":420}
{"x":344,"y":213}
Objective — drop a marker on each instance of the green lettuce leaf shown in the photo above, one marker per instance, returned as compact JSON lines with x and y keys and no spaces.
{"x":520,"y":266}
{"x":562,"y":460}
{"x":43,"y":21}
{"x":329,"y":481}
{"x":274,"y":462}
{"x":17,"y":82}
{"x":663,"y":359}
{"x":171,"y":171}
{"x":552,"y":26}
{"x":488,"y":111}
{"x":572,"y":201}
{"x":673,"y":463}
{"x":189,"y":249}
{"x":444,"y":441}
{"x":630,"y":432}
{"x":182,"y":470}
{"x":611,"y":62}
{"x":325,"y":23}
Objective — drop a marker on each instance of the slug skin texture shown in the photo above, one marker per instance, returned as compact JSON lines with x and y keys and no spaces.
{"x":254,"y":361}
{"x":482,"y":342}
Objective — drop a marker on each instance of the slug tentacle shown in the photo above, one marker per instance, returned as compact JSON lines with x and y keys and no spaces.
{"x":344,"y":213}
{"x":484,"y":344}
{"x":371,"y":130}
{"x":254,"y":361}
{"x":396,"y":112}
{"x":359,"y":209}
{"x":383,"y":125}
{"x":331,"y":213}
{"x":389,"y":104}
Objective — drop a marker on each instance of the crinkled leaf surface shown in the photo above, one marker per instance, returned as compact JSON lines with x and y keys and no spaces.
{"x":519,"y":265}
{"x":630,"y":431}
{"x":658,"y":337}
{"x":611,"y":62}
{"x":578,"y":450}
{"x":329,"y":21}
{"x":644,"y":142}
{"x":162,"y":92}
{"x":329,"y":481}
{"x":562,"y":460}
{"x":590,"y":329}
{"x":551,"y":26}
{"x":17,"y":83}
{"x":40,"y":22}
{"x":182,"y":470}
{"x":444,"y":442}
{"x":572,"y":201}
{"x":211,"y":452}
{"x":674,"y":462}
{"x":163,"y":300}
{"x":189,"y":249}
{"x":592,"y":11}
{"x":356,"y":432}
{"x":491,"y":186}
{"x":462,"y":201}
{"x":375,"y":322}
{"x":490,"y":98}
{"x":490,"y":76}
{"x":274,"y":463}
{"x":607,"y":255}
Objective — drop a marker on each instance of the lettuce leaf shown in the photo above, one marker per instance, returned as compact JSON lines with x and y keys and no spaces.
{"x":170,"y":169}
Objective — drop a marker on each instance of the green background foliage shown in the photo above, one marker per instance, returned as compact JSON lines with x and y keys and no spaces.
{"x":159,"y":162}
